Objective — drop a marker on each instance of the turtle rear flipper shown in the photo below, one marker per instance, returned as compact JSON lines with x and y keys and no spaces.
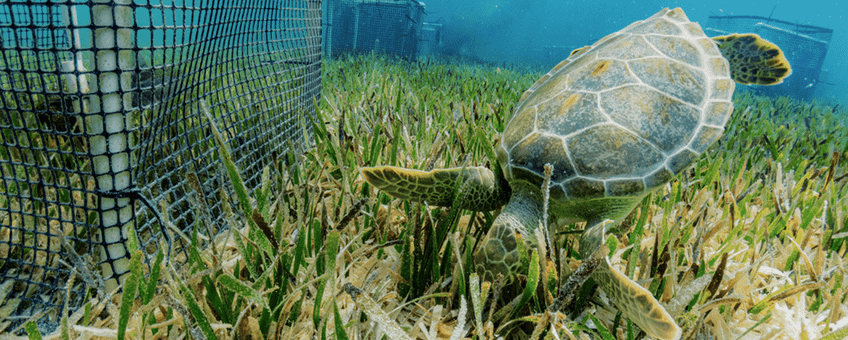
{"x":636,"y":303}
{"x":753,"y":60}
{"x":480,"y":189}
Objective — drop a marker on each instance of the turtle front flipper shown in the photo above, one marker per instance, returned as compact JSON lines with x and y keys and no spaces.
{"x":634,"y":301}
{"x":753,"y":60}
{"x":478,"y":187}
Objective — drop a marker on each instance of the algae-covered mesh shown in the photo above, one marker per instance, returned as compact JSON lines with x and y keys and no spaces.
{"x":103,"y":130}
{"x":365,"y":26}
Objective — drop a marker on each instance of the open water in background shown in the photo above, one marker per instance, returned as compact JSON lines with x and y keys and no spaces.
{"x":509,"y":30}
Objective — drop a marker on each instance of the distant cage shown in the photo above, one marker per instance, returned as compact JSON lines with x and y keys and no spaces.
{"x":382,"y":26}
{"x":102,"y":128}
{"x":805,"y":47}
{"x":431,"y":38}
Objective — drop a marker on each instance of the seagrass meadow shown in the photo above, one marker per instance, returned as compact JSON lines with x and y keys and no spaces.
{"x":749,"y":243}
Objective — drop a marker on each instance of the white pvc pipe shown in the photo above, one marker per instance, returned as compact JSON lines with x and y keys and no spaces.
{"x":102,"y":107}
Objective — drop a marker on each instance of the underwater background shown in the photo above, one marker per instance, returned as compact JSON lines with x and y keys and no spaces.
{"x":509,"y":31}
{"x":750,"y":242}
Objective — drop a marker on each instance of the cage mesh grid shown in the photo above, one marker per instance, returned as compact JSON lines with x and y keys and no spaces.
{"x":383,"y":26}
{"x":805,"y":46}
{"x":101,"y":123}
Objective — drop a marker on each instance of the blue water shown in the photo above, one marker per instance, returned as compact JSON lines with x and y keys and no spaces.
{"x":509,"y":31}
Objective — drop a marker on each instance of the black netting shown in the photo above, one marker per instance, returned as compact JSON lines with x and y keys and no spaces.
{"x":382,"y":26}
{"x":100,"y":120}
{"x":805,"y":47}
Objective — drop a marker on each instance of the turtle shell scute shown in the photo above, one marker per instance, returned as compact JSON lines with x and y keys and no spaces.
{"x":628,"y":47}
{"x":584,"y":188}
{"x":658,"y":178}
{"x":569,"y":112}
{"x":658,"y":26}
{"x":608,"y":151}
{"x":704,"y":138}
{"x":682,"y":160}
{"x":521,"y":125}
{"x":625,"y":187}
{"x":600,"y":75}
{"x":677,"y":48}
{"x":528,"y":158}
{"x":671,"y":78}
{"x":717,"y":113}
{"x":665,"y":122}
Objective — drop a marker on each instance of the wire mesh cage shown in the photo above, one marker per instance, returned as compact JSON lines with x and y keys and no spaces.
{"x":431,"y":38}
{"x":805,"y":47}
{"x":101,"y":125}
{"x":382,"y":26}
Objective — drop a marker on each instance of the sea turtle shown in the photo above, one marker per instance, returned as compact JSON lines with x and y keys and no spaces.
{"x":616,"y":120}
